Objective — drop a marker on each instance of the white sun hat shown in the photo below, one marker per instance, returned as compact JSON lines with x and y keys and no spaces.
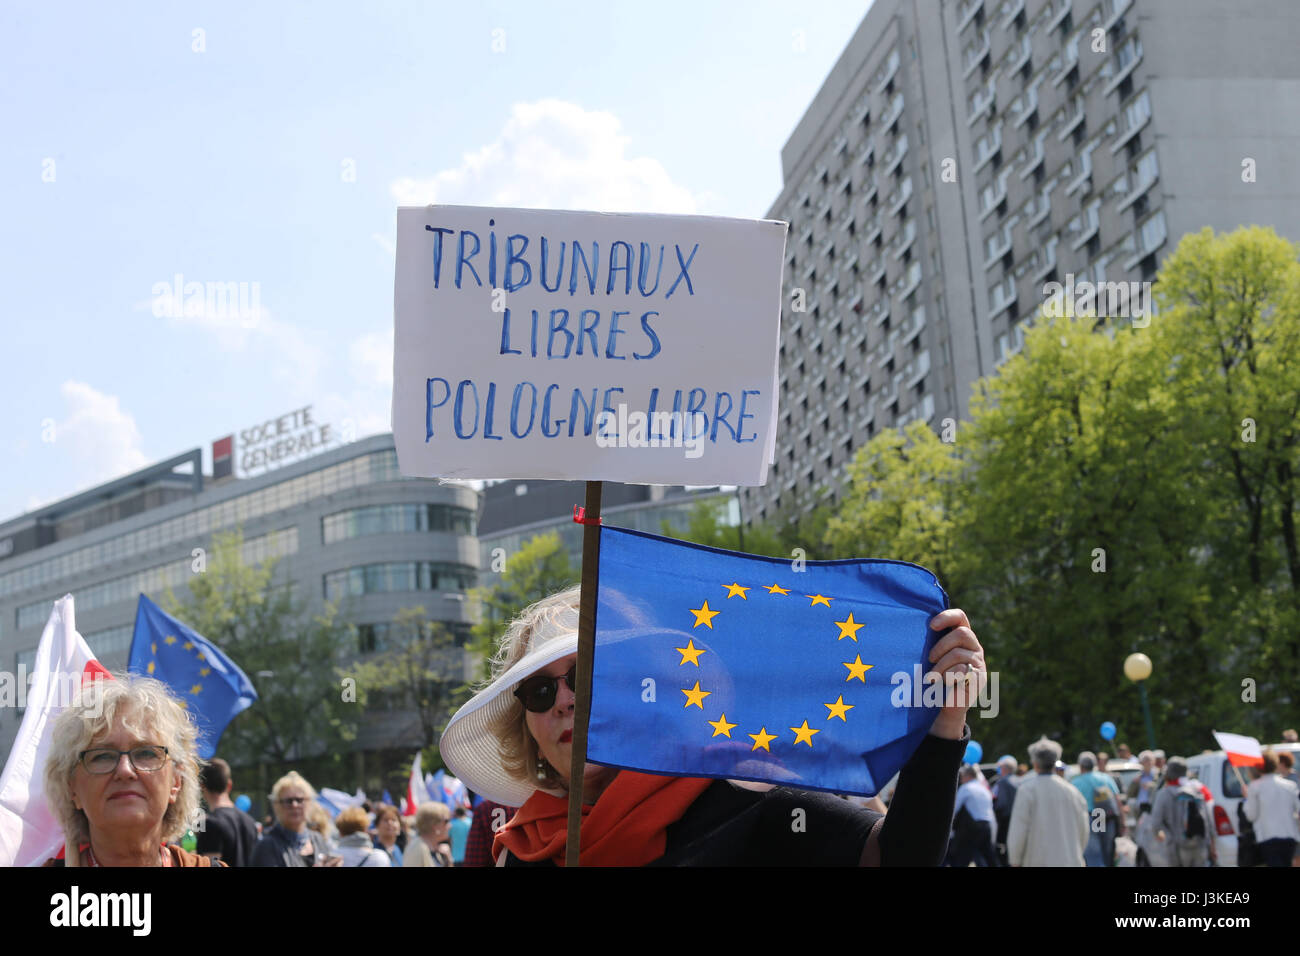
{"x":469,"y":745}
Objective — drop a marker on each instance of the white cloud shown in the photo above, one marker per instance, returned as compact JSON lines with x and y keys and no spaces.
{"x":555,"y":155}
{"x":234,"y":316}
{"x":98,"y":434}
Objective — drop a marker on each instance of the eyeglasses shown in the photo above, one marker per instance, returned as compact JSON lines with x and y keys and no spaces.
{"x":103,"y":760}
{"x":291,"y":801}
{"x":538,"y":692}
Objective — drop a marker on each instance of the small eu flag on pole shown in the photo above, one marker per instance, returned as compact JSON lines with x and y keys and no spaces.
{"x":208,"y":683}
{"x":712,"y":663}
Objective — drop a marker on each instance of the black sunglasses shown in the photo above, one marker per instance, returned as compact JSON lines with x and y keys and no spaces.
{"x":538,"y":693}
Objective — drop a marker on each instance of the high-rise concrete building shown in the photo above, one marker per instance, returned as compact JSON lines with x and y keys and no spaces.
{"x":962,"y":156}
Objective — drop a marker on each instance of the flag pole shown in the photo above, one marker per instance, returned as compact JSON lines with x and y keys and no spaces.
{"x":590,"y":520}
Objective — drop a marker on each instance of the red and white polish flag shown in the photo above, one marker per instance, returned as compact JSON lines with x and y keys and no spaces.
{"x":1240,"y":750}
{"x":29,"y":833}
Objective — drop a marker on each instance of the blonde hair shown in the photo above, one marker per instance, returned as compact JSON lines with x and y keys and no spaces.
{"x":145,"y":708}
{"x":516,"y":747}
{"x":429,"y":815}
{"x":293,"y":779}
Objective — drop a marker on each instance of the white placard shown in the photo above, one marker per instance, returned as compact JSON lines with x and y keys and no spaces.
{"x":546,"y":344}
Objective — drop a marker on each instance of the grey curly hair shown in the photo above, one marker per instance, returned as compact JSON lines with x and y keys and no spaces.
{"x":146,"y":709}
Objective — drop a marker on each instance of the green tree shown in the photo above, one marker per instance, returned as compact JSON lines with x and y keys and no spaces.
{"x":420,"y":669}
{"x":539,"y":568}
{"x":291,"y":657}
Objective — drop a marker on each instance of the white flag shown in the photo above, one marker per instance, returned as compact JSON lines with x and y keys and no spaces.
{"x":29,"y":834}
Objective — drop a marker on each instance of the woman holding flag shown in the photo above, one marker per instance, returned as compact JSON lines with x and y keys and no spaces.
{"x":512,"y":743}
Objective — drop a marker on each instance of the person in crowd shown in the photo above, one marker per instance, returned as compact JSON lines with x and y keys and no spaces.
{"x":1286,"y":767}
{"x":1183,"y":819}
{"x":1159,"y":757}
{"x":488,"y":817}
{"x":228,"y":833}
{"x":973,"y":822}
{"x":1123,"y":753}
{"x":1102,"y":759}
{"x":1049,"y":824}
{"x":459,"y":834}
{"x":291,"y":842}
{"x":432,"y":832}
{"x":319,"y":820}
{"x":1105,"y":827}
{"x":388,"y":827}
{"x":1004,"y":801}
{"x":354,"y":842}
{"x":1059,"y":768}
{"x":1289,"y":737}
{"x":1143,"y":787}
{"x":511,"y":743}
{"x":1272,"y":805}
{"x":122,"y":775}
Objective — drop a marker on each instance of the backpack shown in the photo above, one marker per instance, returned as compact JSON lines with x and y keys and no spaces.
{"x":1188,"y":810}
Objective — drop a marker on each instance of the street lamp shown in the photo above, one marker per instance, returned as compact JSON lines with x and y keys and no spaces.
{"x":1137,"y":668}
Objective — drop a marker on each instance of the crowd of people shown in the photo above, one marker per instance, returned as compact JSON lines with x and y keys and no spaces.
{"x":1035,"y":816}
{"x":124,"y":779}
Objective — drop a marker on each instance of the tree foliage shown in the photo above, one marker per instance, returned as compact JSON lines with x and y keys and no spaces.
{"x":1121,"y":488}
{"x":291,"y":656}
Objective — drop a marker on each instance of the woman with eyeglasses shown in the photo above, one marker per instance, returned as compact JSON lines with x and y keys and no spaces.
{"x":291,"y":842}
{"x":512,"y":743}
{"x":122,"y":775}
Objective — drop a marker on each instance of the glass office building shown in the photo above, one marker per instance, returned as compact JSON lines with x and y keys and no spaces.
{"x":344,"y":526}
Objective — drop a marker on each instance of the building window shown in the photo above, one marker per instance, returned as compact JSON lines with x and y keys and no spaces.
{"x":397,"y":577}
{"x":397,"y":519}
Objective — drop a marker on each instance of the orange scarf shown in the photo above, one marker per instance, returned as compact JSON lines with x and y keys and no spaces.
{"x":627,"y":826}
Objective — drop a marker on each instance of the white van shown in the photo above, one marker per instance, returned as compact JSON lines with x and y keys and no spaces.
{"x":1212,"y":769}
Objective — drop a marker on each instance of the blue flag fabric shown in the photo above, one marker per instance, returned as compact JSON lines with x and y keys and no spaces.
{"x":208,"y":683}
{"x":712,"y":663}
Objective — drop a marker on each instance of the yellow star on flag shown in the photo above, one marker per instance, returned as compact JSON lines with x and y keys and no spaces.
{"x":704,"y":616}
{"x":196,"y":688}
{"x":169,"y":639}
{"x":857,"y":669}
{"x":150,"y":668}
{"x":201,"y":657}
{"x":733,"y":589}
{"x":695,"y":696}
{"x":803,"y":735}
{"x":777,"y":589}
{"x":720,"y":727}
{"x":153,"y":647}
{"x":205,"y":671}
{"x":849,"y":628}
{"x":188,"y":645}
{"x":690,"y":652}
{"x":839,"y":708}
{"x":762,"y":739}
{"x":819,"y":599}
{"x":185,"y":705}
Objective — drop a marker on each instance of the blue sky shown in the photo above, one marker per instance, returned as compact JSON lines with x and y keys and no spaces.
{"x":270,"y":144}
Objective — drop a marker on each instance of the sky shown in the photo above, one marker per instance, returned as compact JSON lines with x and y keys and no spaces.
{"x":147,"y":146}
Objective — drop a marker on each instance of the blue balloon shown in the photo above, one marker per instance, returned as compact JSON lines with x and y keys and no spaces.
{"x":243,"y":802}
{"x":1107,"y":730}
{"x":973,"y":752}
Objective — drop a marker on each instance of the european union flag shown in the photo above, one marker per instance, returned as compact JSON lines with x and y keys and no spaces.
{"x":712,"y":663}
{"x":206,"y":680}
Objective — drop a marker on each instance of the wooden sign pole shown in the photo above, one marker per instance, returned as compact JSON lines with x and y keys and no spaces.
{"x":586,"y":648}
